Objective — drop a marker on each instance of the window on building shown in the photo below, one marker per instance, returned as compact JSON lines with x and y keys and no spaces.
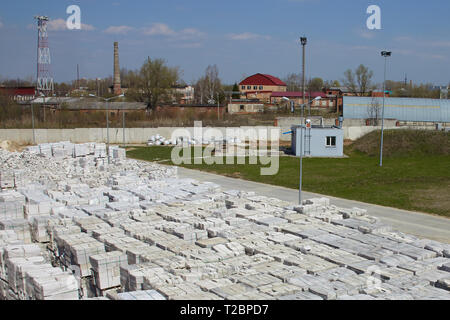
{"x":261,"y":87}
{"x":331,"y":142}
{"x":255,"y":87}
{"x":249,"y":87}
{"x":242,"y":107}
{"x":243,"y":87}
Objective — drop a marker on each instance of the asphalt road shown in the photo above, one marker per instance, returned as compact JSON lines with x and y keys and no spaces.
{"x":415,"y":223}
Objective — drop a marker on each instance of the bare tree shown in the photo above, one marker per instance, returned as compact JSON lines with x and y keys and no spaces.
{"x":349,"y":81}
{"x":209,"y":87}
{"x":374,"y":111}
{"x":293,"y":82}
{"x":364,"y":79}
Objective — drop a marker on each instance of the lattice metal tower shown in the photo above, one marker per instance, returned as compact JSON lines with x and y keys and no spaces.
{"x":44,"y":78}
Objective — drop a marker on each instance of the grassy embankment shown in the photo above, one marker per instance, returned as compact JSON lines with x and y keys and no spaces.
{"x":415,"y":173}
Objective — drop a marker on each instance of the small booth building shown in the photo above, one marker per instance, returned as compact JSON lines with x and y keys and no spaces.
{"x":318,"y":141}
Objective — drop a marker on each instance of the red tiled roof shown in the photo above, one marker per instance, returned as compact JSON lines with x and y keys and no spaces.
{"x":262,"y":80}
{"x":293,"y":94}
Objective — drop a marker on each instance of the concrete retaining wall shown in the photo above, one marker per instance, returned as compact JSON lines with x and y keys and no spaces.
{"x":141,"y":135}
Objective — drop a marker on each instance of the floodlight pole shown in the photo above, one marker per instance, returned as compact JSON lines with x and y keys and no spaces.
{"x":301,"y":167}
{"x":303,"y":41}
{"x":385,"y":54}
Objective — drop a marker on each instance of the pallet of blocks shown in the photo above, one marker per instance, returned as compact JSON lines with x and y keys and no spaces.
{"x":63,"y":286}
{"x":11,"y":205}
{"x":106,"y":268}
{"x":20,"y":226}
{"x":74,"y":251}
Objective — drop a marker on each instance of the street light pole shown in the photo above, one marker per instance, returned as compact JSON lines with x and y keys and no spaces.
{"x":107,"y":121}
{"x":123,"y":124}
{"x":385,"y":54}
{"x":107,"y":131}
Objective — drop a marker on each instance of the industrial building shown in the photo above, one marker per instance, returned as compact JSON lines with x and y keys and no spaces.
{"x":401,"y":109}
{"x":318,"y":141}
{"x":260,"y":86}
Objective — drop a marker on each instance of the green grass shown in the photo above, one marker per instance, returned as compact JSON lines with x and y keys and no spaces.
{"x":415,"y":181}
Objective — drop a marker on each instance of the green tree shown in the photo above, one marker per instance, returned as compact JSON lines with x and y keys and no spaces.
{"x":157,"y":80}
{"x":316,"y":84}
{"x":236,"y":89}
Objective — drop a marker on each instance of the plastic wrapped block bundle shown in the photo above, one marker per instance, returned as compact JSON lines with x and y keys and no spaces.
{"x":141,"y":295}
{"x":106,"y":267}
{"x":20,"y":226}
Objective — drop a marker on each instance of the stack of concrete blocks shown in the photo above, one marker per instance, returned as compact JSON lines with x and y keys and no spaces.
{"x":100,"y":150}
{"x":11,"y":205}
{"x":40,"y":227}
{"x":147,"y":295}
{"x":52,"y":284}
{"x":37,"y":204}
{"x":106,"y":268}
{"x":6,"y":179}
{"x":117,"y":153}
{"x":74,"y":251}
{"x":81,"y":150}
{"x":45,"y":150}
{"x":20,"y":226}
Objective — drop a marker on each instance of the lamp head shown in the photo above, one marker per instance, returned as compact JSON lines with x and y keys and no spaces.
{"x":318,"y":98}
{"x":285,"y":99}
{"x":386,"y":53}
{"x":303,"y":41}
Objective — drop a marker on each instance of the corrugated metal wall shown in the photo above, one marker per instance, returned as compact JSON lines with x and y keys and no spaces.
{"x":403,"y":109}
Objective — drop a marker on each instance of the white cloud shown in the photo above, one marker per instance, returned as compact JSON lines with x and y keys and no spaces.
{"x":159,"y":29}
{"x":162,"y":29}
{"x":246,"y":36}
{"x":61,"y":25}
{"x":119,"y":29}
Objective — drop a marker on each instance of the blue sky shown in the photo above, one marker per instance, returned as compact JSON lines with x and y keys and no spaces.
{"x":241,"y":37}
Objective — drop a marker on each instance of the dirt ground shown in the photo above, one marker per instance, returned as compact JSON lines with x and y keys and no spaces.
{"x":11,"y":146}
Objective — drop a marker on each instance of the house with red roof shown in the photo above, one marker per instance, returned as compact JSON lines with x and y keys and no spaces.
{"x":260,"y":86}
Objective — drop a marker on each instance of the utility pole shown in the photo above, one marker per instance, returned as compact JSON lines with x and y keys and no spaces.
{"x":303,"y":41}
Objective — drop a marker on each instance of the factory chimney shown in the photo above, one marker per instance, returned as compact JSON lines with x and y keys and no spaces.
{"x":117,"y":87}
